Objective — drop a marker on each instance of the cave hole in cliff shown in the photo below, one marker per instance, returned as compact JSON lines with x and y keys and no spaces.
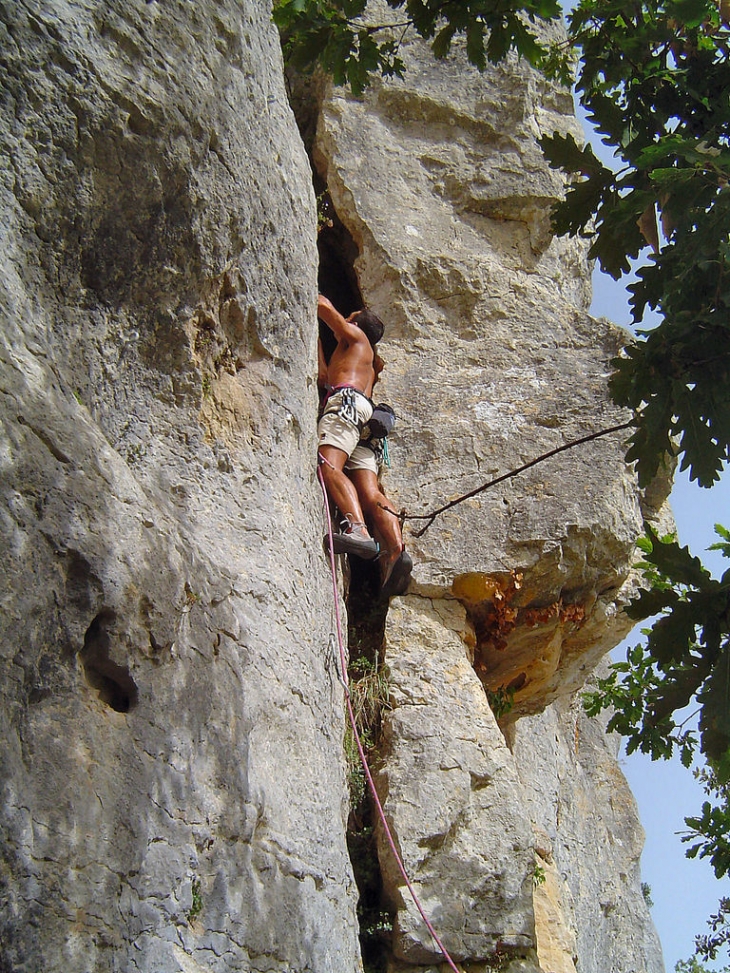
{"x":368,"y":680}
{"x":112,"y":682}
{"x":338,"y":251}
{"x":374,"y":917}
{"x":337,"y":280}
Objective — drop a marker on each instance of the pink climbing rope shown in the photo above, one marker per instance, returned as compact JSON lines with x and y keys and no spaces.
{"x":360,"y":748}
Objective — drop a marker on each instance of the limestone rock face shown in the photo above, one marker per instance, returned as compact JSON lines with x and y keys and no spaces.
{"x":579,"y":801}
{"x":491,"y":361}
{"x":173,"y":793}
{"x":451,"y":787}
{"x":172,"y":771}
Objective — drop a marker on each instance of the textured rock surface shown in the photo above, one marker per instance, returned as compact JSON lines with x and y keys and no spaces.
{"x":453,"y":797}
{"x":173,"y":791}
{"x":492,"y":360}
{"x":173,"y":783}
{"x":579,"y":800}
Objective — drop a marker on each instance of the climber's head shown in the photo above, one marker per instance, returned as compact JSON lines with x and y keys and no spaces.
{"x":370,"y":324}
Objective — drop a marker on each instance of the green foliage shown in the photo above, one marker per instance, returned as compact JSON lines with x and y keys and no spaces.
{"x":369,"y":695}
{"x":646,"y":892}
{"x":723,"y":545}
{"x":197,"y":904}
{"x":711,"y":827}
{"x":331,"y":33}
{"x":356,"y":781}
{"x":693,"y":965}
{"x":324,"y":211}
{"x":338,"y":36}
{"x":653,"y":78}
{"x":501,"y":701}
{"x":685,"y":659}
{"x":710,"y":831}
{"x":719,"y":938}
{"x":690,"y":965}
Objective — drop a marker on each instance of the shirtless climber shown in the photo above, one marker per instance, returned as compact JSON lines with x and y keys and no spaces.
{"x":349,"y":467}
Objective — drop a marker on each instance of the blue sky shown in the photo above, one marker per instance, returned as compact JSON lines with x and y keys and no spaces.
{"x":685,"y":892}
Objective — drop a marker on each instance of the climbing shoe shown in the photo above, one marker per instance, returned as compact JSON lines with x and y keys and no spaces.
{"x":353,"y":539}
{"x":398,"y":578}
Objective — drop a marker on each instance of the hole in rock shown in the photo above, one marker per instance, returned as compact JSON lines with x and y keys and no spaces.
{"x":337,"y":253}
{"x":375,"y":920}
{"x":337,"y":280}
{"x":113,"y":682}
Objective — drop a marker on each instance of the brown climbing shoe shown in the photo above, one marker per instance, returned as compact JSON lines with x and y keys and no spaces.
{"x":398,"y":578}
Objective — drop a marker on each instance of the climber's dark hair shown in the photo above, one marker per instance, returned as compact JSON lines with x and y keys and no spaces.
{"x":370,"y":324}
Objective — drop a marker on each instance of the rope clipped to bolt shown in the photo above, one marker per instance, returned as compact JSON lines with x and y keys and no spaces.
{"x":360,"y":748}
{"x":433,"y":514}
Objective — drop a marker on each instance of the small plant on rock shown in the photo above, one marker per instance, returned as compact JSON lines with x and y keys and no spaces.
{"x":197,"y":904}
{"x":501,"y":701}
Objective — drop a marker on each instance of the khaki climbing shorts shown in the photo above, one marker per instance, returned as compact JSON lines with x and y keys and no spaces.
{"x":345,"y":414}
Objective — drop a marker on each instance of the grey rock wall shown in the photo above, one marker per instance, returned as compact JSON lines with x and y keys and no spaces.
{"x":173,"y":792}
{"x":491,"y":360}
{"x":579,"y":801}
{"x":172,"y":771}
{"x":452,"y":796}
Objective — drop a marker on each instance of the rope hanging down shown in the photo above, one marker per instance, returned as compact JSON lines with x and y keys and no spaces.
{"x":360,"y":748}
{"x":433,"y":514}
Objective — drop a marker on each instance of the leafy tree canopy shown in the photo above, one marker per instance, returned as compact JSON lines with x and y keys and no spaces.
{"x":686,"y":657}
{"x":693,"y":965}
{"x":341,"y":37}
{"x":654,"y":78}
{"x":684,"y":665}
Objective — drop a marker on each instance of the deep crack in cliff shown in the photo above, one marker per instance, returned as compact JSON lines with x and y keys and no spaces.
{"x":366,"y":615}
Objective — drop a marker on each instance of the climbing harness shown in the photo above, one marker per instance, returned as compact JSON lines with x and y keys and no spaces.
{"x":346,"y":402}
{"x":360,"y":749}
